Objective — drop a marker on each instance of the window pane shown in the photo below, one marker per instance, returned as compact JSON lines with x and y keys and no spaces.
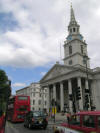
{"x":70,"y":62}
{"x":89,"y":121}
{"x":22,"y":98}
{"x":75,"y":120}
{"x":70,"y":49}
{"x":33,"y":102}
{"x":82,"y":49}
{"x":73,"y":29}
{"x":99,"y":121}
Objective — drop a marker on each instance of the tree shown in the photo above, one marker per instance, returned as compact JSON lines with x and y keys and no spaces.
{"x":5,"y":90}
{"x":5,"y":85}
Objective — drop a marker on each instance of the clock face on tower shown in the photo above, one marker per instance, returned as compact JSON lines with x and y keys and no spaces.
{"x":80,"y":37}
{"x":69,"y":38}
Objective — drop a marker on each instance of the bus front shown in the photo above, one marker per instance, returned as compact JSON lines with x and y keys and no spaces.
{"x":22,"y":106}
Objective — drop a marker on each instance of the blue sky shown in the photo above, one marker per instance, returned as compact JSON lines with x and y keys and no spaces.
{"x":31,"y":32}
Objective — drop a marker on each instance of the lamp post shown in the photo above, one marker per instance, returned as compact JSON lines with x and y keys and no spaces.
{"x":85,"y":58}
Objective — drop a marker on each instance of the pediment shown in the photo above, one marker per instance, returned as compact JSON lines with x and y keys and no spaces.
{"x":55,"y":71}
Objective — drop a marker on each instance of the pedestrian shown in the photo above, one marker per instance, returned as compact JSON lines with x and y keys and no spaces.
{"x":68,"y":115}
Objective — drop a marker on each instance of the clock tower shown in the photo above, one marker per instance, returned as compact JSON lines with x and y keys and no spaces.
{"x":75,"y":47}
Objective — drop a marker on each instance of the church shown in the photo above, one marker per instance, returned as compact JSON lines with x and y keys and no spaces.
{"x":73,"y":86}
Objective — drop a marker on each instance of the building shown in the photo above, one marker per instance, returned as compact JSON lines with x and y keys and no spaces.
{"x":38,"y":96}
{"x":74,"y":85}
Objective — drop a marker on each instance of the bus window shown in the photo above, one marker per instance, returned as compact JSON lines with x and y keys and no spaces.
{"x":89,"y":121}
{"x":22,"y":98}
{"x":99,"y":121}
{"x":75,"y":120}
{"x":22,"y":108}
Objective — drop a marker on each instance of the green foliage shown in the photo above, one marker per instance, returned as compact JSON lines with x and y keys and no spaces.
{"x":3,"y":77}
{"x":5,"y":90}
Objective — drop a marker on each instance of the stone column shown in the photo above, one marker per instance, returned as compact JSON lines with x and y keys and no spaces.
{"x":81,"y":100}
{"x":61,"y":97}
{"x":70,"y":92}
{"x":86,"y":84}
{"x":48,"y":98}
{"x":42,"y":98}
{"x":94,"y":92}
{"x":54,"y":92}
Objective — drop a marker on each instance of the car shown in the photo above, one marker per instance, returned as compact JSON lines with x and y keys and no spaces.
{"x":36,"y":119}
{"x":81,"y":122}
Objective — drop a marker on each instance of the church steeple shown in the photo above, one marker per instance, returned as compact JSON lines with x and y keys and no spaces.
{"x":74,"y":46}
{"x":72,"y":16}
{"x":73,"y":27}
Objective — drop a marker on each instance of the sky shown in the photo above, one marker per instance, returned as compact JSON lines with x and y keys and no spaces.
{"x":32,"y":32}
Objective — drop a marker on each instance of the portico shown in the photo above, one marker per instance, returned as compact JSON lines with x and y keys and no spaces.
{"x":62,"y":84}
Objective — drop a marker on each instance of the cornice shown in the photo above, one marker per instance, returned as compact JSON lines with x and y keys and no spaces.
{"x":74,"y":40}
{"x":74,"y":55}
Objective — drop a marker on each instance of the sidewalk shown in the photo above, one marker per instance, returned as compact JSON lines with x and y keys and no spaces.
{"x":59,"y":118}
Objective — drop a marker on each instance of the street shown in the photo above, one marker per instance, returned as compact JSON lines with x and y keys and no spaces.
{"x":19,"y":128}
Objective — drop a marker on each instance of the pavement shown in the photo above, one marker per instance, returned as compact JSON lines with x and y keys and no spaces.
{"x":59,"y":118}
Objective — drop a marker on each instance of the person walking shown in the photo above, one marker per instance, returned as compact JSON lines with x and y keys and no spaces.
{"x":68,"y":115}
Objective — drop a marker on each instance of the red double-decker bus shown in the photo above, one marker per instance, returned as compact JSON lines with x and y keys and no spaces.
{"x":18,"y":106}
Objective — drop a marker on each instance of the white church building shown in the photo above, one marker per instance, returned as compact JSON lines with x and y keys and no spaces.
{"x":74,"y":85}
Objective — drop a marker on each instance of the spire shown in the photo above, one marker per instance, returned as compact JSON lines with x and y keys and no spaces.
{"x":73,"y":26}
{"x":72,"y":16}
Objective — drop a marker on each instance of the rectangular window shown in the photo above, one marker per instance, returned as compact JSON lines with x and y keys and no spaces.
{"x":22,"y":98}
{"x":89,"y":121}
{"x":45,"y":102}
{"x":33,"y":102}
{"x":39,"y":102}
{"x":82,"y":49}
{"x":33,"y":94}
{"x":70,"y":62}
{"x":45,"y":95}
{"x":40,"y":94}
{"x":75,"y":120}
{"x":99,"y":121}
{"x":70,"y":49}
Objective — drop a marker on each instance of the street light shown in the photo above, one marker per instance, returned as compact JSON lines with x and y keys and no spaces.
{"x":85,"y":58}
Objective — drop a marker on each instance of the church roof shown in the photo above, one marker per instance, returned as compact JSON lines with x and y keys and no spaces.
{"x":56,"y":70}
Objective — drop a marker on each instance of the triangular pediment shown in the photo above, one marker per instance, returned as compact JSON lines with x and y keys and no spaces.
{"x":55,"y":71}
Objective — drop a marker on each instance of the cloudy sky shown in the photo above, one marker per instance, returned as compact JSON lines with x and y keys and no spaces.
{"x":31,"y":32}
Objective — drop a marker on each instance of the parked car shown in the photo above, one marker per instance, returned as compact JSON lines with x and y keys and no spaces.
{"x":36,"y":119}
{"x":82,"y":122}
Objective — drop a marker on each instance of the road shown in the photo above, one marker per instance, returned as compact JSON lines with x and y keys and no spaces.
{"x":19,"y":128}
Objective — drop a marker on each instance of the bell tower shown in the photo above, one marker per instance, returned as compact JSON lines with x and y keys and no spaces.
{"x":74,"y":46}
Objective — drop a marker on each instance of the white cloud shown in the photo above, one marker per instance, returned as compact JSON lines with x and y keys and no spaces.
{"x":18,"y":85}
{"x":42,"y":25}
{"x":43,"y":73}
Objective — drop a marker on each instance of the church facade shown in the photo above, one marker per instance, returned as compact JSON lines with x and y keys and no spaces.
{"x":73,"y":86}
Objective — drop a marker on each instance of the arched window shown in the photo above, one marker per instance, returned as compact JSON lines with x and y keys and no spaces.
{"x":70,"y":30}
{"x":70,"y":49}
{"x":73,"y":29}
